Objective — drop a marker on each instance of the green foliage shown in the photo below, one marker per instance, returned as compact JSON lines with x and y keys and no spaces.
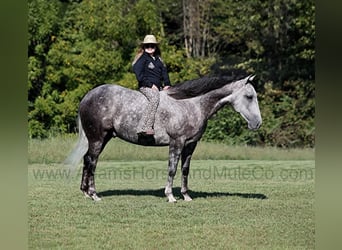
{"x":74,"y":46}
{"x":274,"y":40}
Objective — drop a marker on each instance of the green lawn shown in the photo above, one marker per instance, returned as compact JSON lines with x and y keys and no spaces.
{"x":237,"y":204}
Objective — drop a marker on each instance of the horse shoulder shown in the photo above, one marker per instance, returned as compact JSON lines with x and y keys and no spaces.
{"x":183,"y":116}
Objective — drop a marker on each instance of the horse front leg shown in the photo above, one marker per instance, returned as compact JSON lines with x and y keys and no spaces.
{"x":186,"y":157}
{"x":175,"y":150}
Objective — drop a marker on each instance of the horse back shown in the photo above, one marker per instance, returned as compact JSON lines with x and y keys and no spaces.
{"x":118,"y":110}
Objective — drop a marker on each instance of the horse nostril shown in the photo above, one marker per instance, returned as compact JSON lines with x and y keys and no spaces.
{"x":259,"y":124}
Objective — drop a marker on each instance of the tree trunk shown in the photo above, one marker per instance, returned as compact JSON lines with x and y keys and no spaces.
{"x":196,"y":27}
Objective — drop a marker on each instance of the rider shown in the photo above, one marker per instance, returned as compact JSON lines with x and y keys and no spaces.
{"x":152,"y":77}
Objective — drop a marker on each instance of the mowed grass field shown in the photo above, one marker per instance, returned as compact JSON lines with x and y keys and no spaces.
{"x":243,"y":198}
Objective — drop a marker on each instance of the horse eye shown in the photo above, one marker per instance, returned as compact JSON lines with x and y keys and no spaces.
{"x":249,"y":97}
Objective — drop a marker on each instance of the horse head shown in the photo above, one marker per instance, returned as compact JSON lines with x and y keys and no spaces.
{"x":244,"y":100}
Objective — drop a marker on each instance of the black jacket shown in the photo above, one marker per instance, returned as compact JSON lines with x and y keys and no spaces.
{"x":151,"y":71}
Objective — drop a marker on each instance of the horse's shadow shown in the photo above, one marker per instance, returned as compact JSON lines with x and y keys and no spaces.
{"x":193,"y":194}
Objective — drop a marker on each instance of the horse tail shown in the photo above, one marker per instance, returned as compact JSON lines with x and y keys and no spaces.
{"x":80,"y":149}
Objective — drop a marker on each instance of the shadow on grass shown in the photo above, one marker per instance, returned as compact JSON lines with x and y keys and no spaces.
{"x":176,"y":191}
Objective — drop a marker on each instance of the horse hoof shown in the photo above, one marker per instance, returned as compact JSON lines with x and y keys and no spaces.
{"x":171,"y":199}
{"x":94,"y":197}
{"x":187,"y":197}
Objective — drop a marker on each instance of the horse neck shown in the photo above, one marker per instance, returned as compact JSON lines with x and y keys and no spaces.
{"x":214,"y":100}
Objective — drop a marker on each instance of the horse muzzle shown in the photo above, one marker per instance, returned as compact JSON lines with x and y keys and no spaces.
{"x":254,"y":125}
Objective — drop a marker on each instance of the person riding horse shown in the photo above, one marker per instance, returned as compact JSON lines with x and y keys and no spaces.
{"x":151,"y":74}
{"x":112,"y":111}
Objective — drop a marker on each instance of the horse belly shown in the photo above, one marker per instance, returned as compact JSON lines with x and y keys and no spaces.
{"x":125,"y":127}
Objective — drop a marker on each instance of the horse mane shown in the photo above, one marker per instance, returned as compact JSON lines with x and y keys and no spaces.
{"x":200,"y":86}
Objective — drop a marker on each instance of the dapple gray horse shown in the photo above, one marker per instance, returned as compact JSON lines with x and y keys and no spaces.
{"x":113,"y":111}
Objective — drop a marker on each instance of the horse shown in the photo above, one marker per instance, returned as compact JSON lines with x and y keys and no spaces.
{"x":108,"y":111}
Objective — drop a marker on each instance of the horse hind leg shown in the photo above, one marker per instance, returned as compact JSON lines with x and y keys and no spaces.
{"x":88,"y":179}
{"x":89,"y":166}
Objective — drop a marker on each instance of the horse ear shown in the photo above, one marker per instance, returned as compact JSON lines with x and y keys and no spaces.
{"x":250,"y":78}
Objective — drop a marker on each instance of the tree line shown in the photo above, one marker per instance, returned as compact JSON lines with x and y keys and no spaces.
{"x":75,"y":45}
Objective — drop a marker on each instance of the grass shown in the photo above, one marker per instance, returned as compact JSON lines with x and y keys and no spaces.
{"x":238,"y":204}
{"x":55,"y":150}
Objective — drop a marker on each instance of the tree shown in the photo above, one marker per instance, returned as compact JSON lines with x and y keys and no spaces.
{"x":196,"y":15}
{"x":91,"y":46}
{"x":75,"y":45}
{"x":273,"y":39}
{"x":43,"y":24}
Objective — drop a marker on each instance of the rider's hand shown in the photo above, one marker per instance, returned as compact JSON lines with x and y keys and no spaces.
{"x":155,"y":87}
{"x":166,"y":87}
